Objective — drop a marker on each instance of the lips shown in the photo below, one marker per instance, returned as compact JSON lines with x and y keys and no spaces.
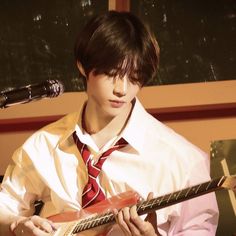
{"x":116,"y":103}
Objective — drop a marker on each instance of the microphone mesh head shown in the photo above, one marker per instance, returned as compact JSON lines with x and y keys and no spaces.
{"x":56,"y":88}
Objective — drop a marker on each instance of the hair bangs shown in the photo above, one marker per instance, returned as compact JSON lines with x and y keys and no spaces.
{"x":128,"y":66}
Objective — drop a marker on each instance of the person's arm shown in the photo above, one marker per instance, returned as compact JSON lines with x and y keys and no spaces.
{"x":20,"y":187}
{"x":14,"y":223}
{"x":32,"y":226}
{"x":11,"y":225}
{"x":6,"y":218}
{"x":198,"y":216}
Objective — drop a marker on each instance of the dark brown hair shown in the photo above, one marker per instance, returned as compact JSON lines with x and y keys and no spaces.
{"x":118,"y":44}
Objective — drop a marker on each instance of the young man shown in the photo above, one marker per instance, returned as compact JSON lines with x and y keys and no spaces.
{"x":113,"y":135}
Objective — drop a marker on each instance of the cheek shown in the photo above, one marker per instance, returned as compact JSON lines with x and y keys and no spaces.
{"x":134,"y":91}
{"x":98,"y":90}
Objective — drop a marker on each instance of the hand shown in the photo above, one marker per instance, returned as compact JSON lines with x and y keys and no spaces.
{"x":133,"y":225}
{"x":152,"y":216}
{"x":32,"y":226}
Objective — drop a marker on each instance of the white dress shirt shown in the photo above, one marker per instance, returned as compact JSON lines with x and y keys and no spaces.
{"x":49,"y":167}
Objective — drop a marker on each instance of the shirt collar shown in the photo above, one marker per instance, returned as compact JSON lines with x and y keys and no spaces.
{"x":132,"y":133}
{"x":71,"y":121}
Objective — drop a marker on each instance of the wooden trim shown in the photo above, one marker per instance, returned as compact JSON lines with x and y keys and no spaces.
{"x":195,"y":112}
{"x":26,"y":124}
{"x":166,"y":103}
{"x":119,"y":5}
{"x":162,"y":114}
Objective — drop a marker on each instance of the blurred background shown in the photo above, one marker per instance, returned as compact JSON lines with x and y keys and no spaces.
{"x":197,"y":39}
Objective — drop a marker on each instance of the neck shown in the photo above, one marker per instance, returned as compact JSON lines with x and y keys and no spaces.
{"x":101,"y":128}
{"x":95,"y":122}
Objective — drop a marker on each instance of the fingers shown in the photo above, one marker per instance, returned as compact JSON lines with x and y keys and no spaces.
{"x":150,"y":196}
{"x":131,"y":223}
{"x":40,"y":223}
{"x":124,"y":219}
{"x":34,"y":225}
{"x":152,"y":216}
{"x":142,"y":226}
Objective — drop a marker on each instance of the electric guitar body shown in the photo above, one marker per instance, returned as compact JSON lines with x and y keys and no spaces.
{"x":119,"y":201}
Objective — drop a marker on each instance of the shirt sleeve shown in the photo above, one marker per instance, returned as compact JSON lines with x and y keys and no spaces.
{"x":198,"y":216}
{"x":21,"y":186}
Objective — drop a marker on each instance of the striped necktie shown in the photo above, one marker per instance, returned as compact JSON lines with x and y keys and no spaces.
{"x":92,"y":192}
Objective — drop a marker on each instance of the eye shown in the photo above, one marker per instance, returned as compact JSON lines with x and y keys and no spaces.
{"x":135,"y":81}
{"x":108,"y":78}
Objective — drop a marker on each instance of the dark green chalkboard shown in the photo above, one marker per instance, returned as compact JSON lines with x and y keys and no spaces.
{"x":37,"y":40}
{"x":197,"y":38}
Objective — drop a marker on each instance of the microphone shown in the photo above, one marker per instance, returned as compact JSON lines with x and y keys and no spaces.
{"x":48,"y":88}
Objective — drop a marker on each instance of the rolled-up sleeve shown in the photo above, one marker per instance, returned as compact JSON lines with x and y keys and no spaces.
{"x":20,"y":187}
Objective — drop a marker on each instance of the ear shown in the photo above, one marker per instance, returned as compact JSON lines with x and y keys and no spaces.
{"x":81,"y":69}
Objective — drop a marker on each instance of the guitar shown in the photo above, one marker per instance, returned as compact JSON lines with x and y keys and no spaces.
{"x":76,"y":225}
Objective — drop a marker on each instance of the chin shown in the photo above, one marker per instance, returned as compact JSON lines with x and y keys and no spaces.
{"x":113,"y":112}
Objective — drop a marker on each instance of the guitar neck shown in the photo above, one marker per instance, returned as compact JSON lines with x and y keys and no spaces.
{"x":180,"y":196}
{"x":155,"y":203}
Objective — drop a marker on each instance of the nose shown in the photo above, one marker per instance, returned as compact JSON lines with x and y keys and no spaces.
{"x":120,"y":86}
